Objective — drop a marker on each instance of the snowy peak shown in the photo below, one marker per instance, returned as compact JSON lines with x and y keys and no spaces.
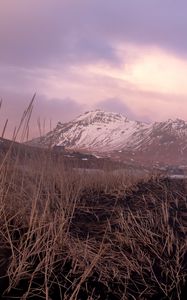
{"x":94,"y":130}
{"x":175,"y":127}
{"x":106,"y":132}
{"x":176,"y":123}
{"x":99,"y":116}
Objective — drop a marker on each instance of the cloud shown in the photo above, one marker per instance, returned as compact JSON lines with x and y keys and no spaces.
{"x":48,"y":111}
{"x":49,"y":33}
{"x":116,"y":105}
{"x":41,"y":33}
{"x":75,"y":52}
{"x":119,"y":106}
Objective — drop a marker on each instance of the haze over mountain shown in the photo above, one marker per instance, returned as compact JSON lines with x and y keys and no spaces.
{"x":105,"y":132}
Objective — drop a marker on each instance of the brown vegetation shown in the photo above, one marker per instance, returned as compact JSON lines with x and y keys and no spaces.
{"x":66,"y":235}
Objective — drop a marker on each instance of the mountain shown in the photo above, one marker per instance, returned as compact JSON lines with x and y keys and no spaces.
{"x":105,"y":132}
{"x":94,"y":130}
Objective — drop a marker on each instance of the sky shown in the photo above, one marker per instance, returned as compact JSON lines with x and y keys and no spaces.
{"x":127,"y":56}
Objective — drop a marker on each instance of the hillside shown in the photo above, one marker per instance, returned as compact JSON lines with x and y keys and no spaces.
{"x":95,"y":236}
{"x":104,"y":132}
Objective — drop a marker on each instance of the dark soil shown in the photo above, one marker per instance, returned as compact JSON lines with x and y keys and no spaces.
{"x":94,"y":211}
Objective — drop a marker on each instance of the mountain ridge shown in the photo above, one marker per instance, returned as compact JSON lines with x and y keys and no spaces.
{"x":100,"y":131}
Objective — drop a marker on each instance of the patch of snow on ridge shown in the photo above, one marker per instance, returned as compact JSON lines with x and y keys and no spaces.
{"x":100,"y":131}
{"x":99,"y":116}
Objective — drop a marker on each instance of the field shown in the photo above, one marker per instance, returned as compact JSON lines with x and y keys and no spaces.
{"x":67,"y":234}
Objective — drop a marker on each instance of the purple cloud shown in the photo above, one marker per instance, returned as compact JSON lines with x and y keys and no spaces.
{"x":48,"y":111}
{"x":39,"y":38}
{"x":119,"y":106}
{"x":68,"y":32}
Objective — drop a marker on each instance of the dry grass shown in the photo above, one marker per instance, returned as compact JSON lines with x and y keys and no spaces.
{"x":71,"y":235}
{"x":66,"y":235}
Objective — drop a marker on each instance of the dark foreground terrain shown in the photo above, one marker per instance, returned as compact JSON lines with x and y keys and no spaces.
{"x":66,"y":235}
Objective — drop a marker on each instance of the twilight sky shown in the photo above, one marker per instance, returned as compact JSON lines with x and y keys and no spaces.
{"x":128,"y":56}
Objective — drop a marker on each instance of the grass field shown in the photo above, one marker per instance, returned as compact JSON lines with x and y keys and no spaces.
{"x":66,"y":235}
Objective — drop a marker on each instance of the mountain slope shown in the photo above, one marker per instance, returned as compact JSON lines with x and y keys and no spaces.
{"x":95,"y":130}
{"x":106,"y":132}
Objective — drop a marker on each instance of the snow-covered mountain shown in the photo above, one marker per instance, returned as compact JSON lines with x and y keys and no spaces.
{"x":94,"y":130}
{"x":105,"y":132}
